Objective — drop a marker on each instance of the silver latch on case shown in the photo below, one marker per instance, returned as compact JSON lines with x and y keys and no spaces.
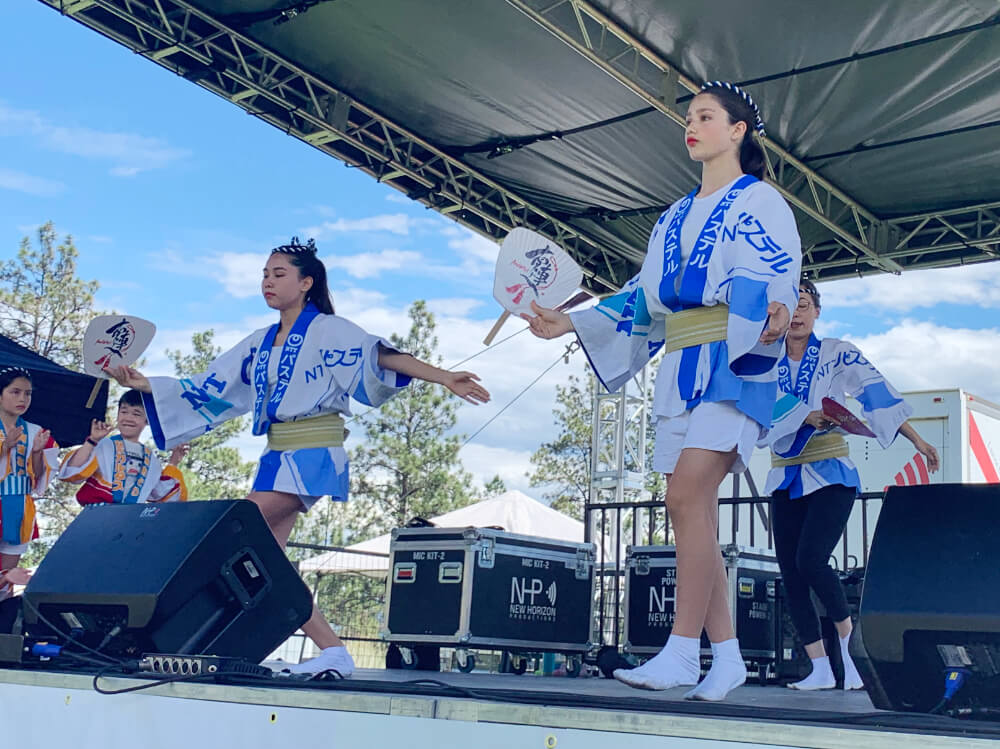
{"x":486,"y":553}
{"x":642,"y":565}
{"x":582,"y":571}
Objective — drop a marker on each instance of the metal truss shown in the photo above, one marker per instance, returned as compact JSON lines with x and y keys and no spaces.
{"x":617,"y":480}
{"x":204,"y":50}
{"x":197,"y":46}
{"x":861,"y":242}
{"x":958,"y":236}
{"x":618,"y":442}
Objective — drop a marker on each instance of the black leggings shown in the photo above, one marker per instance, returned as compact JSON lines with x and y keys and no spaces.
{"x":805,"y":532}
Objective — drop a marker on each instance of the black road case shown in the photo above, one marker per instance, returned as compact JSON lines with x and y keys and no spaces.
{"x":489,"y":589}
{"x":650,"y":582}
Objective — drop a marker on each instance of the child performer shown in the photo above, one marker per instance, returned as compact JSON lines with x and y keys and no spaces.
{"x":26,"y":461}
{"x":813,"y":483}
{"x":717,"y":288}
{"x":119,"y":469}
{"x":296,"y":378}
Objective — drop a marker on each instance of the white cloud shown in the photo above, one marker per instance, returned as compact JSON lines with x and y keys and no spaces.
{"x":467,"y":243}
{"x":399,"y":198}
{"x":27,"y":183}
{"x":241,"y":273}
{"x":373,"y":264}
{"x":129,"y":153}
{"x":972,"y":285}
{"x":393,"y":223}
{"x":917,"y":355}
{"x":457,"y":307}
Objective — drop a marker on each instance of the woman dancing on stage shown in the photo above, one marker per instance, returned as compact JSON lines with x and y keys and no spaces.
{"x":717,"y":288}
{"x":296,"y":377}
{"x":812,"y":482}
{"x":26,"y":463}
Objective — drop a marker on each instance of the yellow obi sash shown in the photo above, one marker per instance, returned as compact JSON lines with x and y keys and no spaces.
{"x":820,"y":447}
{"x":695,"y":326}
{"x":320,"y":431}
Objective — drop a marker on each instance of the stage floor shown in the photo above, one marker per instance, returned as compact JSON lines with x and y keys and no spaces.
{"x":437,"y":710}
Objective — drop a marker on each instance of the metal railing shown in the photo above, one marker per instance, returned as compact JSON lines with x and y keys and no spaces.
{"x":349,"y":588}
{"x":743,"y":520}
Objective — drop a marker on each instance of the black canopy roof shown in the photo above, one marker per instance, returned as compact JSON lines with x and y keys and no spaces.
{"x":59,"y":394}
{"x":883,"y":118}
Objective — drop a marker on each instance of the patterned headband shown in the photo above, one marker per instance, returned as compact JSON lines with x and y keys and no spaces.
{"x":758,"y":123}
{"x":20,"y":371}
{"x":296,"y":248}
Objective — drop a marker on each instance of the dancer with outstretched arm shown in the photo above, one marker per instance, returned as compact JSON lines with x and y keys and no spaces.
{"x":297,"y":378}
{"x":717,"y":289}
{"x":813,"y":483}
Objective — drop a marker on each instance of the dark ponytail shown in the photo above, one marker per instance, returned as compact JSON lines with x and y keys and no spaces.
{"x":303,"y":257}
{"x":740,"y":108}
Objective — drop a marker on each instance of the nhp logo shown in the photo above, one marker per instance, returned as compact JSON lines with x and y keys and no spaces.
{"x":528,"y":597}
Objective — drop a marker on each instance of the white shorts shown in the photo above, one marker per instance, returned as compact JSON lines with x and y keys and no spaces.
{"x":710,"y":426}
{"x":18,"y":549}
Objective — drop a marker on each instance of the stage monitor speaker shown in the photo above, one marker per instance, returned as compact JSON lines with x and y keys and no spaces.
{"x":187,"y":578}
{"x":931,"y":598}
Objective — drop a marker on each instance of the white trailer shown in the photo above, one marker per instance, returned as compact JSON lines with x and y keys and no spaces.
{"x":963,"y":427}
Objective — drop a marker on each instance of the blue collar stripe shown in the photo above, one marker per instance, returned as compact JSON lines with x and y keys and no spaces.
{"x":696,"y":270}
{"x":286,"y":366}
{"x":807,"y":370}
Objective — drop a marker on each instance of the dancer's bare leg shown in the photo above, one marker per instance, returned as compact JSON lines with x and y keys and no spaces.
{"x":692,"y":504}
{"x":280,"y":510}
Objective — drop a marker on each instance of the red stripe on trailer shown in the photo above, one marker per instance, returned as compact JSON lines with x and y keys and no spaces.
{"x":982,"y":454}
{"x":925,"y":477}
{"x":911,"y":475}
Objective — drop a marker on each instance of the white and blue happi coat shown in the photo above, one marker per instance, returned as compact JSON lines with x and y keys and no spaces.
{"x":830,"y":368}
{"x":324,"y":362}
{"x":747,"y":254}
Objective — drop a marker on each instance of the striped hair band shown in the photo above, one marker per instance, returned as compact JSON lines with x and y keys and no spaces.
{"x":21,"y":371}
{"x":296,"y":248}
{"x":758,"y":123}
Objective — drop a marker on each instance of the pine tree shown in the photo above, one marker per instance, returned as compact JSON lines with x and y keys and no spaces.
{"x":43,"y":305}
{"x":408,"y":464}
{"x":564,"y":464}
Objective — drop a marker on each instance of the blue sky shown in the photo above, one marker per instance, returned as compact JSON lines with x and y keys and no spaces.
{"x":173,"y":197}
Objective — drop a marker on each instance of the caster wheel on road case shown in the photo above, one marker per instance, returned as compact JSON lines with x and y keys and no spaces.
{"x":609,"y":659}
{"x":518,"y":665}
{"x":762,"y":674}
{"x":468,"y":665}
{"x":574,"y":665}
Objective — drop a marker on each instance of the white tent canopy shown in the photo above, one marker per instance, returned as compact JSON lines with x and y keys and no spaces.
{"x":514,"y":511}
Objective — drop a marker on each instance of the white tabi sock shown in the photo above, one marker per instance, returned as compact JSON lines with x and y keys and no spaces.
{"x":728,"y":671}
{"x":820,"y":678}
{"x":852,"y":679}
{"x":678,"y":664}
{"x":330,"y":659}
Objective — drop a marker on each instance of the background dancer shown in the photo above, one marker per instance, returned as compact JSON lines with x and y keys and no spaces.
{"x":120,"y":469}
{"x":718,"y":285}
{"x":26,"y":462}
{"x":812,"y":481}
{"x":296,"y":378}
